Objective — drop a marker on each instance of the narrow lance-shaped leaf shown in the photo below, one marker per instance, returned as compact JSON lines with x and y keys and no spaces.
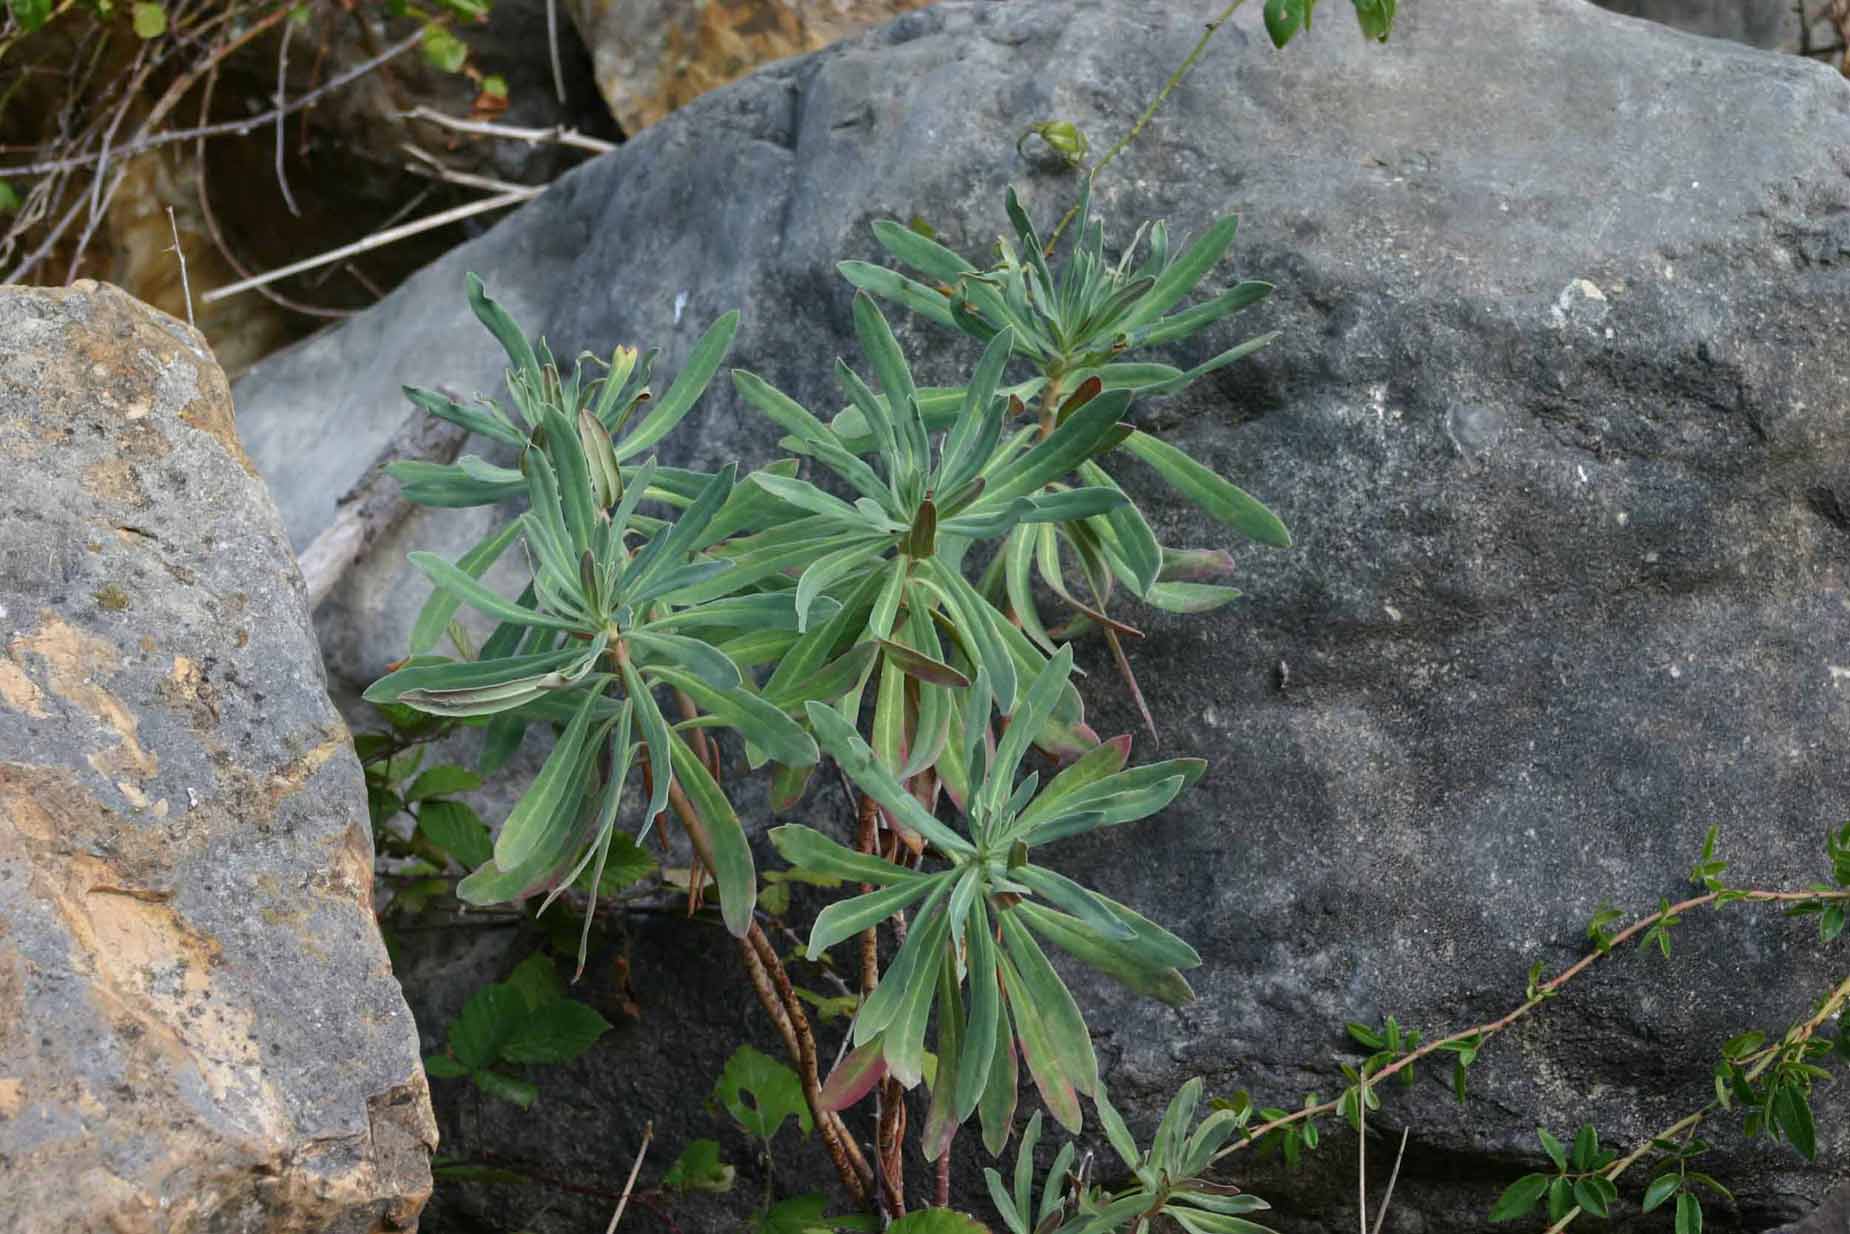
{"x":702,"y":363}
{"x":732,"y":854}
{"x":1221,"y":499}
{"x":525,"y":826}
{"x":476,"y":596}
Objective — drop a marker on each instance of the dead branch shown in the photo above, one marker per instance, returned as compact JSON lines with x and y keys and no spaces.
{"x":218,"y":236}
{"x":375,"y":504}
{"x":153,"y":141}
{"x":378,"y":240}
{"x":558,"y":133}
{"x":282,"y":92}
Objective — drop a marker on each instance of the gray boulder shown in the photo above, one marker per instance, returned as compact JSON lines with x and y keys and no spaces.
{"x":1557,"y":419}
{"x":1775,"y":25}
{"x":199,"y":1029}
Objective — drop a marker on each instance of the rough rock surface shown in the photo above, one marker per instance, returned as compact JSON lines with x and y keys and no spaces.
{"x":653,"y":56}
{"x":1775,"y":25}
{"x":199,"y":1029}
{"x":1557,"y":419}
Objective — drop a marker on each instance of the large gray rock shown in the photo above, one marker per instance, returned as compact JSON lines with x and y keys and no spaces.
{"x":199,"y":1029}
{"x":1557,"y":418}
{"x":1775,"y":25}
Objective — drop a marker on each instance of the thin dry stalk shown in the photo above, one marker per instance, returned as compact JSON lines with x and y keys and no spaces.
{"x":1361,"y":1153}
{"x":378,"y":240}
{"x":1393,"y":1177}
{"x":186,"y":287}
{"x":648,"y":1133}
{"x":282,"y":99}
{"x":552,"y":45}
{"x":239,"y":127}
{"x":557,"y":134}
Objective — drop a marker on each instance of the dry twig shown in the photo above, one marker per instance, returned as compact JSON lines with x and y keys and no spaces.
{"x":375,"y":504}
{"x":186,"y":287}
{"x":282,"y":91}
{"x":378,"y":239}
{"x":558,"y":133}
{"x":648,"y":1133}
{"x":150,"y":141}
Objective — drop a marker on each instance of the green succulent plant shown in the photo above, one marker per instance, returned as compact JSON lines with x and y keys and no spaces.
{"x":981,"y":914}
{"x":1075,"y":323}
{"x":1168,"y":1179}
{"x":605,"y":622}
{"x":893,"y":553}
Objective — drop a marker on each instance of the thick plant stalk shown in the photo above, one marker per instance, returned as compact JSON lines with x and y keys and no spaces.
{"x":869,"y":819}
{"x":889,"y":1097}
{"x":835,"y":1133}
{"x":767,"y":996}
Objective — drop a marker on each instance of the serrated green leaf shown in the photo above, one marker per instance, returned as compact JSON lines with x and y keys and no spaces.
{"x":456,"y":829}
{"x":556,"y":1032}
{"x":486,"y":1023}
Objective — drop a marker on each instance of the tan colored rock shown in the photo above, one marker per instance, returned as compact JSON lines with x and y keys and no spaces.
{"x":199,"y":1028}
{"x":652,"y":56}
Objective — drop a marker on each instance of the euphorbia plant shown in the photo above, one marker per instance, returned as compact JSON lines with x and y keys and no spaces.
{"x":1075,"y":324}
{"x":603,"y":624}
{"x":658,"y":595}
{"x":982,"y":914}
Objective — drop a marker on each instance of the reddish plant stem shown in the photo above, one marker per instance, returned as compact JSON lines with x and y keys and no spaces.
{"x":786,"y":1011}
{"x":808,"y":1069}
{"x":869,"y":819}
{"x":889,"y":1097}
{"x":890,"y":1144}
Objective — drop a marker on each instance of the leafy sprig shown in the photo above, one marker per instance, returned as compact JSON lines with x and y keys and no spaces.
{"x":981,"y":916}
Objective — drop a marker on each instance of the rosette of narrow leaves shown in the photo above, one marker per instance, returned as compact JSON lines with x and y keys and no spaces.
{"x":615,"y":418}
{"x":1076,"y":323}
{"x":598,"y":630}
{"x":1168,"y":1180}
{"x":537,"y":384}
{"x":891,"y":550}
{"x":974,"y":947}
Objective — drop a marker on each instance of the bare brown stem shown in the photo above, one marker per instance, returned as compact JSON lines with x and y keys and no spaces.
{"x":780,"y":1002}
{"x":1175,"y":79}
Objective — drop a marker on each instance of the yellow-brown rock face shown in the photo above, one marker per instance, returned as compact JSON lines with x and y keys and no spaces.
{"x":199,"y":1029}
{"x":652,"y":56}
